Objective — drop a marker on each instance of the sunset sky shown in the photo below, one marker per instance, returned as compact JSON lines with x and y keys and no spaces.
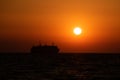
{"x":24,"y":23}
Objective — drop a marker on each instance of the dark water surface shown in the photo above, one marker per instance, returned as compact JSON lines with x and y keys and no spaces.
{"x":60,"y":67}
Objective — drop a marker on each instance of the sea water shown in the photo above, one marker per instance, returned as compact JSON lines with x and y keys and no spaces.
{"x":60,"y":67}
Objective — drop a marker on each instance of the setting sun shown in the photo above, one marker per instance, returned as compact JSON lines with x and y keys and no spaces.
{"x":77,"y":31}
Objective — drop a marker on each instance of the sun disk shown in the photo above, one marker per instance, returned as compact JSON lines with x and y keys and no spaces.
{"x":77,"y":31}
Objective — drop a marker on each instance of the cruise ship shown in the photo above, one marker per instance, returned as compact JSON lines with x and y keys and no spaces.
{"x":45,"y":49}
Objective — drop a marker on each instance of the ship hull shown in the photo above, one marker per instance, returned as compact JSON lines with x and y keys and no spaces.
{"x":44,"y":50}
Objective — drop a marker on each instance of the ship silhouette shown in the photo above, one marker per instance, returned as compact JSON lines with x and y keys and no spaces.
{"x":45,"y":49}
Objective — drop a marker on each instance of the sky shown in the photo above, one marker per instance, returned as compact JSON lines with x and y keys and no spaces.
{"x":24,"y":23}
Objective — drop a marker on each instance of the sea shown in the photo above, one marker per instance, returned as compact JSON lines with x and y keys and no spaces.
{"x":67,"y":66}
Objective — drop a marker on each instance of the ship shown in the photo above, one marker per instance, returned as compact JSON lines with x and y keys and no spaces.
{"x":45,"y":49}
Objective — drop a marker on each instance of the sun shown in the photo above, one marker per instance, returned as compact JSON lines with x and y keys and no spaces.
{"x":77,"y":30}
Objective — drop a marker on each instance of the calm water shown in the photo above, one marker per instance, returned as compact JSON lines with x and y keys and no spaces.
{"x":60,"y":67}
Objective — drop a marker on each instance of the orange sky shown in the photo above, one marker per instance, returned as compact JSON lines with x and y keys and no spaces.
{"x":24,"y":23}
